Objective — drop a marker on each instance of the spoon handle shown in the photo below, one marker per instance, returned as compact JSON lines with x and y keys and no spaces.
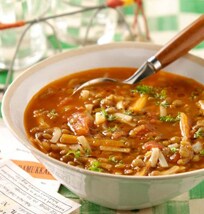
{"x":182,"y":43}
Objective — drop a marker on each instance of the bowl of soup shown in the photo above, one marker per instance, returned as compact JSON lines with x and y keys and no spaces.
{"x":117,"y":145}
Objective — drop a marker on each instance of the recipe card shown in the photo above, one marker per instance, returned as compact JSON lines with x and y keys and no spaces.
{"x":20,"y":194}
{"x":12,"y":149}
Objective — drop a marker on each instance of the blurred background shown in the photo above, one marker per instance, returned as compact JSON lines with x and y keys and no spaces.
{"x":51,"y":26}
{"x":154,"y":21}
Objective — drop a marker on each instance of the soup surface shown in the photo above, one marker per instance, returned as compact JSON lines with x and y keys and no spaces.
{"x":155,"y":127}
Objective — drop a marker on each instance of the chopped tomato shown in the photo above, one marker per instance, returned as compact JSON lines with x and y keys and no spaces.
{"x":80,"y":122}
{"x":152,"y":144}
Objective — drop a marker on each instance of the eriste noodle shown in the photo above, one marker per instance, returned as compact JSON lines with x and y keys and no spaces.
{"x":155,"y":127}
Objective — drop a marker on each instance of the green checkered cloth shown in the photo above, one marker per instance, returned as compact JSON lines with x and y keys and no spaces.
{"x":187,"y":203}
{"x":165,"y":18}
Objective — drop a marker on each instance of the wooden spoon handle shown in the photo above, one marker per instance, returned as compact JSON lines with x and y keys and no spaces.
{"x":182,"y":43}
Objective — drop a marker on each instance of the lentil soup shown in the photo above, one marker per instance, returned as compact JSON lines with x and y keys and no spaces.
{"x":155,"y":127}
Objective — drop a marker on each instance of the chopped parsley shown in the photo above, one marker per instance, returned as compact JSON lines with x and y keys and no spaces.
{"x":95,"y":166}
{"x":112,"y":129}
{"x":165,"y":104}
{"x":202,"y":152}
{"x":129,"y":112}
{"x":173,"y":149}
{"x":151,"y":91}
{"x":161,"y":95}
{"x":144,"y":89}
{"x":104,"y":112}
{"x":76,"y":153}
{"x":87,"y":152}
{"x":199,"y":133}
{"x":109,"y":117}
{"x":169,"y":118}
{"x":113,"y":159}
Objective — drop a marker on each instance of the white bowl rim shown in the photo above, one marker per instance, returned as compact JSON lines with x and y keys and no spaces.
{"x":72,"y":53}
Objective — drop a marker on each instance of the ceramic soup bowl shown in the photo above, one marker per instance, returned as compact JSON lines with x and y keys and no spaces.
{"x":113,"y":191}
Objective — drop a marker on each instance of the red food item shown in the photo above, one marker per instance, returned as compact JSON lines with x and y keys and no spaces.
{"x":152,"y":144}
{"x":80,"y":123}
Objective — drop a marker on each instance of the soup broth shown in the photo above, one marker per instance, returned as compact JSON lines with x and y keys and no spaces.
{"x":154,"y":127}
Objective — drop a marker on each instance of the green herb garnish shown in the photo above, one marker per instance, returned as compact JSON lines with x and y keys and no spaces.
{"x":202,"y":152}
{"x":87,"y":152}
{"x":129,"y":112}
{"x":144,"y":89}
{"x":109,"y":117}
{"x":112,"y":129}
{"x":173,"y":149}
{"x":76,"y":153}
{"x":165,"y":104}
{"x":151,"y":91}
{"x":169,"y":118}
{"x":95,"y":166}
{"x":161,"y":95}
{"x":199,"y":133}
{"x":113,"y":159}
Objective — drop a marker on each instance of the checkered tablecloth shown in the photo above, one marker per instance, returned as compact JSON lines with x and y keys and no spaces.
{"x":165,"y":18}
{"x":191,"y":202}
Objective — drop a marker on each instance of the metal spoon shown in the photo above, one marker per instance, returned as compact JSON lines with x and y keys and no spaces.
{"x":184,"y":41}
